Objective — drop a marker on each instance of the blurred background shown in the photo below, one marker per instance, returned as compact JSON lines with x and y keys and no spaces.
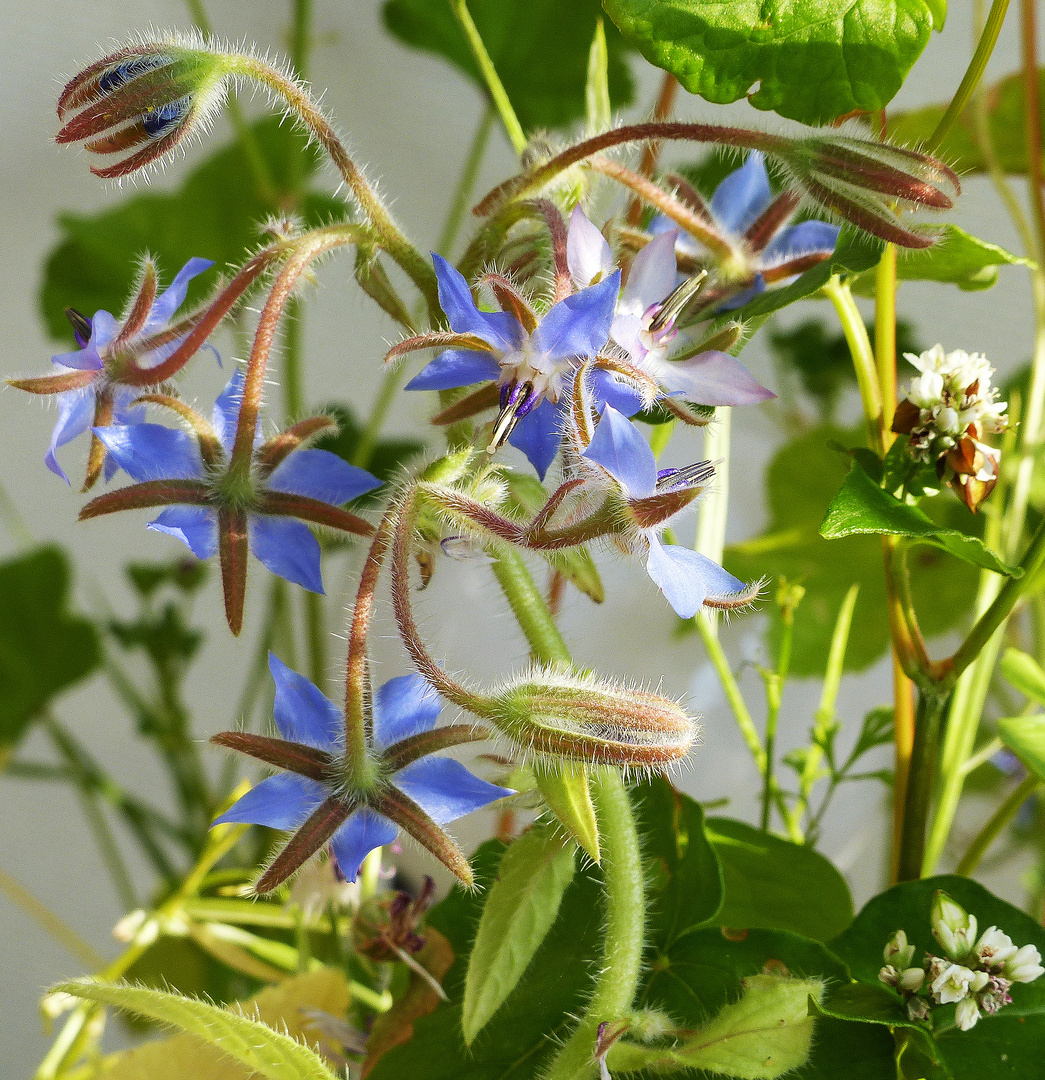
{"x":409,"y":118}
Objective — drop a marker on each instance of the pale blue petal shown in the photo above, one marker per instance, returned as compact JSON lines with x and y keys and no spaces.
{"x":500,"y":328}
{"x":364,"y":831}
{"x":606,"y":390}
{"x":75,"y":413}
{"x":580,"y":324}
{"x":805,"y":238}
{"x":104,"y":327}
{"x":588,"y":254}
{"x":195,"y":526}
{"x":687,"y":578}
{"x":153,"y":452}
{"x":743,"y":195}
{"x":538,"y":435}
{"x":404,"y":706}
{"x":85,"y":359}
{"x":168,"y":302}
{"x":445,"y":789}
{"x":456,"y":367}
{"x":738,"y":301}
{"x":319,"y":474}
{"x":283,"y":801}
{"x":713,"y":378}
{"x":287,"y":548}
{"x":618,"y":446}
{"x":652,"y":276}
{"x":226,"y":409}
{"x":303,"y":713}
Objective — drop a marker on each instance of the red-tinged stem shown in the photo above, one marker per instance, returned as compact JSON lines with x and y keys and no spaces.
{"x":412,"y":819}
{"x":319,"y":828}
{"x":146,"y":495}
{"x":54,"y":384}
{"x":319,"y":513}
{"x":293,"y":757}
{"x":103,"y":412}
{"x":233,"y":549}
{"x":557,"y":230}
{"x":661,"y":111}
{"x":272,"y":453}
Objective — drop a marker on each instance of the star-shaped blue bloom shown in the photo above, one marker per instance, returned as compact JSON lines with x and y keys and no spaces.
{"x":404,"y":710}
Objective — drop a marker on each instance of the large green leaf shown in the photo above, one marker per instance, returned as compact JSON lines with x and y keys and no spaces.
{"x":776,"y":885}
{"x":539,"y":48}
{"x":861,"y":506}
{"x":217,"y":214}
{"x":519,"y":911}
{"x":265,"y":1051}
{"x":1024,"y":673}
{"x":811,"y":61}
{"x":43,"y":649}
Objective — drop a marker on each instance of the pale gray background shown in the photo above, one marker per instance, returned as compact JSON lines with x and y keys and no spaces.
{"x":409,"y":118}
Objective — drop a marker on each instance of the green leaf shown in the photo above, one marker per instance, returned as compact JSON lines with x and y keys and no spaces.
{"x":776,"y":885}
{"x":598,"y":108}
{"x":519,"y":911}
{"x":861,"y":506}
{"x":216,"y":214}
{"x":813,"y":62}
{"x":568,"y":794}
{"x":540,"y":54}
{"x":1025,"y":737}
{"x":265,"y":1051}
{"x":43,"y":649}
{"x":1025,"y":674}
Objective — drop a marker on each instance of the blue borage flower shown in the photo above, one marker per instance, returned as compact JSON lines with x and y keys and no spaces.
{"x":215,"y":508}
{"x":87,"y":384}
{"x":687,"y":579}
{"x":766,"y":249}
{"x":415,"y":788}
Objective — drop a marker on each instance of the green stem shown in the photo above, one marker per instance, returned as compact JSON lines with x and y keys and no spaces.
{"x":973,"y":74}
{"x":530,"y":609}
{"x":621,"y":962}
{"x":315,"y":637}
{"x":996,"y":823}
{"x":775,"y":681}
{"x":932,"y":704}
{"x":293,"y":374}
{"x":301,"y":37}
{"x":493,"y":82}
{"x":109,"y":849}
{"x":466,"y":183}
{"x":711,"y":517}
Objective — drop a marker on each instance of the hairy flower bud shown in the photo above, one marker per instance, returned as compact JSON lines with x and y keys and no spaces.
{"x":555,"y":713}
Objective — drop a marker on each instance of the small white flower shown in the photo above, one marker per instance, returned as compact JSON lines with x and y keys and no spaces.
{"x":994,"y":949}
{"x":966,"y":1014}
{"x":1025,"y":966}
{"x":952,"y":984}
{"x":898,"y":952}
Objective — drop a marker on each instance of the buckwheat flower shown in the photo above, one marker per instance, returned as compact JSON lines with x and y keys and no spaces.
{"x":950,"y":408}
{"x":995,"y":995}
{"x":765,"y":248}
{"x":966,"y":1014}
{"x":950,"y":982}
{"x":952,"y":926}
{"x":408,"y":786}
{"x":898,"y":952}
{"x":644,"y":320}
{"x":532,"y":361}
{"x":217,"y":505}
{"x":994,"y":949}
{"x":687,"y":579}
{"x":1024,"y":966}
{"x":89,"y":385}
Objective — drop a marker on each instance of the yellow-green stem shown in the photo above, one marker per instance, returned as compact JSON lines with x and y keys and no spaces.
{"x":996,"y":823}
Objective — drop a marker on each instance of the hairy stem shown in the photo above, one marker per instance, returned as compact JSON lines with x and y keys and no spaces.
{"x":530,"y":609}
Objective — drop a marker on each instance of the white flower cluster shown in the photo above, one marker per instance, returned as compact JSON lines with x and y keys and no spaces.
{"x":975,"y":975}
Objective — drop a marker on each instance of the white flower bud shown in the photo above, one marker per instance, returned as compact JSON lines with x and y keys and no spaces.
{"x":953,"y":927}
{"x":898,"y":952}
{"x":966,"y":1014}
{"x":911,"y":979}
{"x":1025,"y":966}
{"x":952,"y":984}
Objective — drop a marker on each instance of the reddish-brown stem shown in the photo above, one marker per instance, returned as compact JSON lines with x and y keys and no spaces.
{"x":147,"y":495}
{"x":293,"y":757}
{"x":319,"y":828}
{"x":648,"y":166}
{"x":55,"y":384}
{"x":546,"y":512}
{"x":686,"y":193}
{"x":233,"y":549}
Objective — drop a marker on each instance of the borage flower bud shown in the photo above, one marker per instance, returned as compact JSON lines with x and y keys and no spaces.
{"x":558,"y":714}
{"x":953,"y":927}
{"x":142,"y":101}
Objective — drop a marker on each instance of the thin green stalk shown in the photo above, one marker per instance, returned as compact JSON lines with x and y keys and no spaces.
{"x":499,"y":95}
{"x":775,"y":682}
{"x":996,"y":823}
{"x":108,"y":849}
{"x":932,"y":703}
{"x":530,"y":609}
{"x":621,"y":962}
{"x":711,"y":517}
{"x":293,"y":374}
{"x":466,"y":183}
{"x":301,"y":37}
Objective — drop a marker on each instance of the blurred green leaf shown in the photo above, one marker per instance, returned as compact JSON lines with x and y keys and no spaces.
{"x":43,"y":648}
{"x":539,"y":48}
{"x":1025,"y":737}
{"x":216,"y":214}
{"x":1025,"y":674}
{"x":813,"y":62}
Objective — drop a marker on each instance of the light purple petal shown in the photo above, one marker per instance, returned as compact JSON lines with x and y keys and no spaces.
{"x":445,"y":789}
{"x":653,"y":274}
{"x":361,"y":833}
{"x":319,"y":474}
{"x":287,"y":548}
{"x":805,"y":238}
{"x":687,"y":578}
{"x":713,"y":378}
{"x":607,"y":390}
{"x":538,"y":435}
{"x":456,"y":367}
{"x":404,"y":706}
{"x":75,"y":413}
{"x":104,"y":328}
{"x":743,"y":195}
{"x":500,"y":328}
{"x":738,"y":301}
{"x":283,"y":801}
{"x":303,"y":713}
{"x":587,"y":254}
{"x":153,"y":452}
{"x":195,"y":526}
{"x":168,"y":302}
{"x":618,"y":446}
{"x":580,"y":324}
{"x":225,"y":415}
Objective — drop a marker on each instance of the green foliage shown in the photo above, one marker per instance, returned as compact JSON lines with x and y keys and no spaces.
{"x":1024,"y":673}
{"x":43,"y":648}
{"x":1025,"y":737}
{"x":265,"y":1051}
{"x":519,"y":911}
{"x":773,"y":884}
{"x":540,"y":53}
{"x":861,"y":506}
{"x":812,"y":62}
{"x":216,"y":213}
